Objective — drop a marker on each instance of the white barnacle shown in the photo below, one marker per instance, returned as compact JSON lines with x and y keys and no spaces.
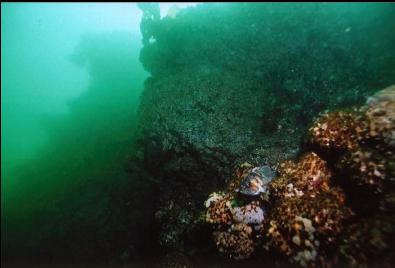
{"x":296,"y":240}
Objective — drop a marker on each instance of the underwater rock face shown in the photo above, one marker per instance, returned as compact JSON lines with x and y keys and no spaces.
{"x":232,"y":84}
{"x":380,"y":114}
{"x":175,"y":260}
{"x":314,"y":214}
{"x":307,"y":213}
{"x":237,"y":219}
{"x":236,"y":241}
{"x":336,"y":132}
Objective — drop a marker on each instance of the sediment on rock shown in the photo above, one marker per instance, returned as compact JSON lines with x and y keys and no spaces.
{"x":241,"y":83}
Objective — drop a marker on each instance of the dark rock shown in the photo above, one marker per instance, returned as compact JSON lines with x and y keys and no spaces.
{"x":232,"y":83}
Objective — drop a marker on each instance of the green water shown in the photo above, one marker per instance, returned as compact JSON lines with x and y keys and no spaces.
{"x":111,"y":140}
{"x":71,"y":80}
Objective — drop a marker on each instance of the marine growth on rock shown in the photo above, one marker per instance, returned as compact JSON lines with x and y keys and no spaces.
{"x":311,"y":214}
{"x":237,"y":216}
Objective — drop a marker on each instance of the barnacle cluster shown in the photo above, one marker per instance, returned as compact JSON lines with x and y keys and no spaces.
{"x":174,"y":215}
{"x":334,"y":205}
{"x":237,"y":216}
{"x":380,"y":116}
{"x":219,"y":208}
{"x":364,"y":141}
{"x":369,"y":242}
{"x":309,"y":174}
{"x":336,"y":131}
{"x":237,"y":241}
{"x":369,"y":167}
{"x":364,"y":167}
{"x":307,"y":213}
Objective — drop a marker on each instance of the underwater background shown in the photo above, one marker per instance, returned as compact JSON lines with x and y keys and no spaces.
{"x":197,"y":135}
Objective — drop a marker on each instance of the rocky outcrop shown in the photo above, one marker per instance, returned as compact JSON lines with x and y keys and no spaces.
{"x":314,"y":213}
{"x":232,"y":83}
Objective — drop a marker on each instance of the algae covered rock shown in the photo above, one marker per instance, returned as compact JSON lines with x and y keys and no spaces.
{"x":237,"y":218}
{"x":241,"y":82}
{"x":307,"y":214}
{"x":236,"y":241}
{"x":380,"y":114}
{"x":231,"y":83}
{"x":312,"y":213}
{"x":336,"y":132}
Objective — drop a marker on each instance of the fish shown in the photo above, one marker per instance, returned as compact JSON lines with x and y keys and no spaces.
{"x":256,"y":181}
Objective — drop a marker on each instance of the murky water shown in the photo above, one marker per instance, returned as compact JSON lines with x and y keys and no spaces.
{"x":118,"y":120}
